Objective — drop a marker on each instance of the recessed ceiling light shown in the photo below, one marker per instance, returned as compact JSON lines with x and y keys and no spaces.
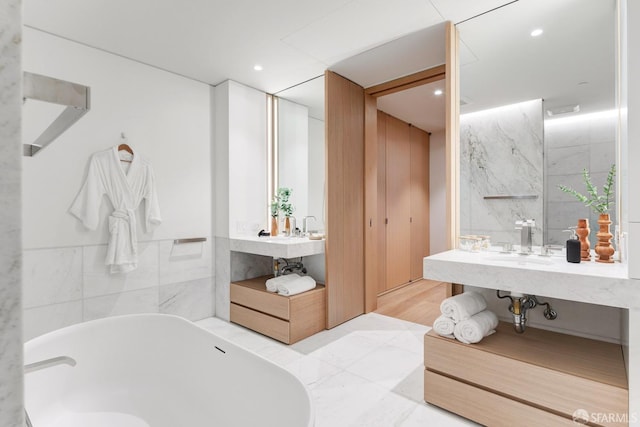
{"x":258,"y":67}
{"x":536,"y":32}
{"x":438,"y":92}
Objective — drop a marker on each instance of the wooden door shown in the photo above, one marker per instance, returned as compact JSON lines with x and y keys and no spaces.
{"x":398,"y":195}
{"x":419,"y":200}
{"x":344,"y":255}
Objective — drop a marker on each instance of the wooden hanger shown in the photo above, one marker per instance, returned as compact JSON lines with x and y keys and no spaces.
{"x":125,"y":147}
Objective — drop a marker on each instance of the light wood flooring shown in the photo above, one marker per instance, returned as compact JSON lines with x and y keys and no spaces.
{"x":417,"y":302}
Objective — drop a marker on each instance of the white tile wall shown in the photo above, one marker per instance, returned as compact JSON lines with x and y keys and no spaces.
{"x":633,"y":245}
{"x":587,"y":320}
{"x":182,"y":263}
{"x":99,"y":281}
{"x":567,"y":160}
{"x":246,"y":266}
{"x":192,"y":300}
{"x":52,"y":276}
{"x":223,"y":277}
{"x":132,"y":302}
{"x":40,"y":320}
{"x":65,"y":286}
{"x":570,"y":148}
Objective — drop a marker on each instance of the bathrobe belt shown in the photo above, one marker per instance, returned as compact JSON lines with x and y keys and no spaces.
{"x":123,"y":242}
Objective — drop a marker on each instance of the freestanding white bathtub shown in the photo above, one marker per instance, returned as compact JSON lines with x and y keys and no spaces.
{"x":155,"y":370}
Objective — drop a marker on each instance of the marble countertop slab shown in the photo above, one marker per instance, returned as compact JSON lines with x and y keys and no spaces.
{"x":277,"y":247}
{"x":590,"y":282}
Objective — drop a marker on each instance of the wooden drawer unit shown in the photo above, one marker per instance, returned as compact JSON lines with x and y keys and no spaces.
{"x":286,"y":319}
{"x":549,"y":371}
{"x":485,"y":407}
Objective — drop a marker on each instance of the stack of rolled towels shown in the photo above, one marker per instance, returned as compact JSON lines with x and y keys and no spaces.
{"x":465,"y":317}
{"x":290,"y":284}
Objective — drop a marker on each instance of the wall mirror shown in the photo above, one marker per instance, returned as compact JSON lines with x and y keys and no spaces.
{"x":550,"y":67}
{"x":299,"y":149}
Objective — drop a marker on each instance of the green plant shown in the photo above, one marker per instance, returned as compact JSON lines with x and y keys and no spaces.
{"x":283,"y":197}
{"x":598,"y":203}
{"x":274,"y":207}
{"x":280,"y":202}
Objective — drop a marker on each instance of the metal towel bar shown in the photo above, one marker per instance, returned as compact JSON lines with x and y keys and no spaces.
{"x":192,"y":240}
{"x":527,"y":196}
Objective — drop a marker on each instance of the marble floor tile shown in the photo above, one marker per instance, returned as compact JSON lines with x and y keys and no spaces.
{"x":343,"y":398}
{"x":412,"y":341}
{"x":311,"y":370}
{"x":391,"y":410}
{"x":280,"y":354}
{"x":317,"y":341}
{"x":367,"y":372}
{"x":412,"y":385}
{"x":387,"y":365}
{"x":347,"y":350}
{"x":429,"y":415}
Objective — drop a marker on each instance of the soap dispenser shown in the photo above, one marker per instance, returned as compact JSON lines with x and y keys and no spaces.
{"x":573,"y":246}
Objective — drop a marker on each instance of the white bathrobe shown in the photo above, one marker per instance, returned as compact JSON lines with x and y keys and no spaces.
{"x":125,"y":189}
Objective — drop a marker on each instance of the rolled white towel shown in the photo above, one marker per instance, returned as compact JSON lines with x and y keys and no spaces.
{"x":272,"y":284}
{"x":444,"y":326}
{"x":463,"y":306}
{"x":480,"y":325}
{"x":297,"y":286}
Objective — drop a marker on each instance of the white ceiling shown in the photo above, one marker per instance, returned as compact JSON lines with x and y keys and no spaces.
{"x":216,"y":40}
{"x":572,"y":62}
{"x":296,"y":40}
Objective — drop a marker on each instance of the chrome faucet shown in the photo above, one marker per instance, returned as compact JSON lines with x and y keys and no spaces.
{"x":44,"y":364}
{"x":526,"y":231}
{"x":305,"y":227}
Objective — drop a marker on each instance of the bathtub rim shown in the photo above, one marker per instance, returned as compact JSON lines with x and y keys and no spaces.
{"x":92,"y":323}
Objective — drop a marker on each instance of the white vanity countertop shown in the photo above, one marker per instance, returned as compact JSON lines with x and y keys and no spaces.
{"x":277,"y":247}
{"x":590,"y":282}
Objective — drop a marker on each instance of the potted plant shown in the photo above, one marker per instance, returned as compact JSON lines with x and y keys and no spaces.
{"x":600,"y":204}
{"x":275,"y":211}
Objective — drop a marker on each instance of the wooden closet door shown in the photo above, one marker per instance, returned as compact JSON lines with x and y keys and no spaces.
{"x":398,"y":192}
{"x":419,"y":200}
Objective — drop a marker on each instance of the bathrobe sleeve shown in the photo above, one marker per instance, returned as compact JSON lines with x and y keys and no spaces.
{"x":152,"y":208}
{"x":86,"y":206}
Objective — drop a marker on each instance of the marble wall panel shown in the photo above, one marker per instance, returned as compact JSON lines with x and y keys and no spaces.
{"x":247,"y":266}
{"x":185,"y":262}
{"x":40,"y":320}
{"x":11,"y":382}
{"x":51,"y":276}
{"x":98,"y":280}
{"x":571,"y":145}
{"x":502,"y":154}
{"x":567,"y":160}
{"x":192,"y":300}
{"x":69,"y":285}
{"x":588,"y":320}
{"x":222,"y":278}
{"x":132,"y":302}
